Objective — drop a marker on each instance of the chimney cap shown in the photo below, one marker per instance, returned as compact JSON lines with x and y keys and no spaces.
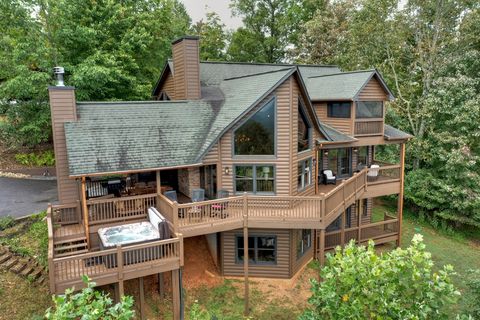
{"x":185,"y":38}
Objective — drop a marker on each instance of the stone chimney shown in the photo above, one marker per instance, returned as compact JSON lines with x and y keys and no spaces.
{"x":186,"y":68}
{"x":63,"y":109}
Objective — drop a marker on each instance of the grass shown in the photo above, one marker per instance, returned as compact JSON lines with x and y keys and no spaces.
{"x":20,"y":299}
{"x":28,"y":238}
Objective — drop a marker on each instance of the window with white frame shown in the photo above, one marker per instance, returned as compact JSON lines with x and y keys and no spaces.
{"x":304,"y":241}
{"x":304,"y":173}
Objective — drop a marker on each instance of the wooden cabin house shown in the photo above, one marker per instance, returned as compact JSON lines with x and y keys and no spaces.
{"x":274,"y":164}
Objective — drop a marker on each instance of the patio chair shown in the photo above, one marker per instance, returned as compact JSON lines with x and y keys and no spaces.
{"x":198,"y":195}
{"x":220,"y":209}
{"x":372,"y":174}
{"x":329,"y":177}
{"x":172,"y":195}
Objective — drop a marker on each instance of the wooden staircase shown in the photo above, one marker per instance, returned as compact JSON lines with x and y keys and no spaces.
{"x":70,"y":240}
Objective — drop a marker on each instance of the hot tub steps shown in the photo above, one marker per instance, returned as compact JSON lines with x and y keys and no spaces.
{"x":70,"y":247}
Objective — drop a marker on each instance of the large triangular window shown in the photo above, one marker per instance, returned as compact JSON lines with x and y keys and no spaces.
{"x":304,"y":130}
{"x":256,"y":136}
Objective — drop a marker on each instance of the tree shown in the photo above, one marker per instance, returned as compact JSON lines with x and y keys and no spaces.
{"x":359,"y":284}
{"x":110,"y":50}
{"x":89,"y":304}
{"x":271,"y":27}
{"x":213,"y":37}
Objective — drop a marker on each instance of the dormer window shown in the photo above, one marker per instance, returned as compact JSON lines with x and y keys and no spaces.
{"x":369,"y":109}
{"x":256,"y":136}
{"x":339,"y":109}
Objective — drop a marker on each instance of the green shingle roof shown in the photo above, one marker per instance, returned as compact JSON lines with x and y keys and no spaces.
{"x":121,"y":136}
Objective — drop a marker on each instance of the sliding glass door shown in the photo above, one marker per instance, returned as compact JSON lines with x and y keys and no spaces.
{"x":340,"y":161}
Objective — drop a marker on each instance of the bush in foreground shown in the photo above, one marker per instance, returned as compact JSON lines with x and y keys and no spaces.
{"x":89,"y":304}
{"x":359,"y":284}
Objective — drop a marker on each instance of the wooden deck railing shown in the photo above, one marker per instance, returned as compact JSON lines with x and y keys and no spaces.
{"x":388,"y":173}
{"x":378,"y":231}
{"x":66,"y":214}
{"x":279,"y":209}
{"x":103,"y":211}
{"x":108,"y":266}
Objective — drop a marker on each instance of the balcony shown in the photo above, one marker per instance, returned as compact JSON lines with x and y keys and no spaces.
{"x":384,"y":180}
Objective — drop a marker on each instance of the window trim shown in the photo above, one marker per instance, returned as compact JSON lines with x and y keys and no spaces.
{"x":255,"y":249}
{"x":305,"y":186}
{"x":329,"y":111}
{"x":302,"y":252}
{"x":254,"y":172}
{"x":238,"y":125}
{"x":301,"y":109}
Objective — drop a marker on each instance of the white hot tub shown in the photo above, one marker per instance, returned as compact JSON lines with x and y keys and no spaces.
{"x":127,"y":234}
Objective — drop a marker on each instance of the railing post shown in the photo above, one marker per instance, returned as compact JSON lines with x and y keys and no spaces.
{"x":51,"y":265}
{"x":120,"y":262}
{"x":180,"y":236}
{"x":175,"y":216}
{"x":245,"y":204}
{"x":323,"y":208}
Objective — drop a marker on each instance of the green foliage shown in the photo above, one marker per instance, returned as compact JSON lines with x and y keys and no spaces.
{"x":89,"y":304}
{"x":213,"y":37}
{"x":27,"y":123}
{"x":46,"y":158}
{"x":6,"y":222}
{"x":474,"y":296}
{"x":359,"y":284}
{"x":196,"y":313}
{"x":270,"y":28}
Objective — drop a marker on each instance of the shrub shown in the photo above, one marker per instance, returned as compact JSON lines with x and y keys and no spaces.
{"x":359,"y":284}
{"x":46,"y":158}
{"x":474,"y":295}
{"x":89,"y":304}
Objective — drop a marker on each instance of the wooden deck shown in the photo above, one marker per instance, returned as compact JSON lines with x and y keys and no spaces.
{"x":68,"y":232}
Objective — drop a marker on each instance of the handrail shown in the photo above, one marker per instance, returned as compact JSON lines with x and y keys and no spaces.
{"x":142,"y":196}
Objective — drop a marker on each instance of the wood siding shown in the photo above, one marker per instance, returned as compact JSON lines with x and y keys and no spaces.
{"x":63,"y":109}
{"x":279,"y":270}
{"x":212,"y":156}
{"x":282,"y":159}
{"x":373,"y":91}
{"x":344,"y":125}
{"x":297,"y":263}
{"x":169,"y":86}
{"x":186,"y":65}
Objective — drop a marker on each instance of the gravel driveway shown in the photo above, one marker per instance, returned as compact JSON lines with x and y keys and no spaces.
{"x":21,"y":197}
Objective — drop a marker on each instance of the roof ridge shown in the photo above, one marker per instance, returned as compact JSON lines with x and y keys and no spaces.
{"x":271,"y":64}
{"x":341,"y":73}
{"x":133,"y":102}
{"x":259,"y":73}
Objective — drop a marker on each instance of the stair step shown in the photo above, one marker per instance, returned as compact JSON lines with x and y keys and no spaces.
{"x":5,"y":257}
{"x":71,"y":253}
{"x":10,"y":263}
{"x":19,"y":267}
{"x":69,"y":240}
{"x":72,"y":246}
{"x":41,"y":280}
{"x":25,"y":272}
{"x":36,"y":273}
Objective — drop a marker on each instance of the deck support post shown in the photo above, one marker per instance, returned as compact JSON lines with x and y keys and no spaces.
{"x":119,"y":291}
{"x":161,"y":287}
{"x":245,"y":264}
{"x":177,"y":295}
{"x":85,"y":211}
{"x":142,"y":298}
{"x":400,"y":195}
{"x":359,"y":219}
{"x":321,"y":257}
